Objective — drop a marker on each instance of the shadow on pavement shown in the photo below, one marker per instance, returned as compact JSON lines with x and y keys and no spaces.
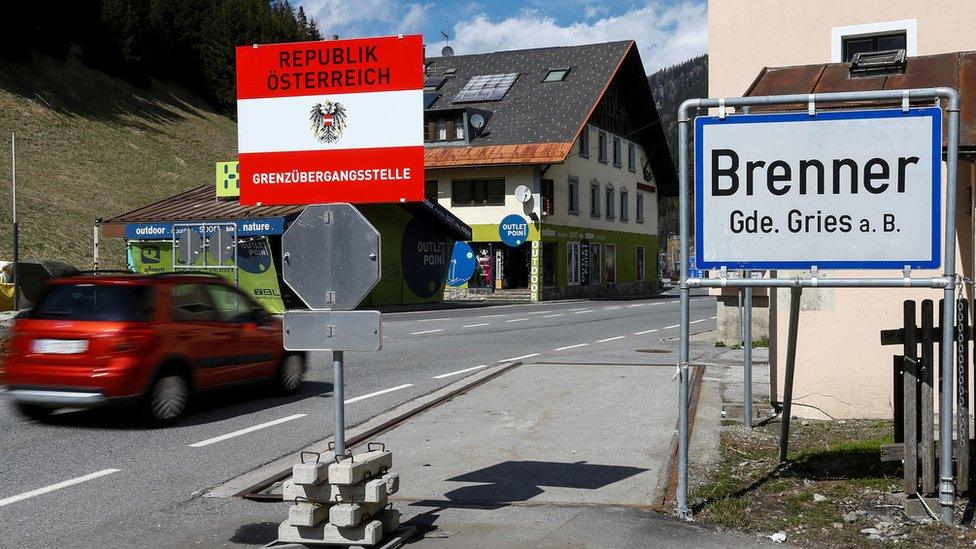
{"x":255,"y":533}
{"x":207,"y":407}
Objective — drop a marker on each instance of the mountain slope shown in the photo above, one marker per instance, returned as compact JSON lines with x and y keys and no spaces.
{"x":90,"y":145}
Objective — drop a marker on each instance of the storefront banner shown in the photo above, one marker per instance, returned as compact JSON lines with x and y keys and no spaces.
{"x":245,"y":227}
{"x":462,"y":264}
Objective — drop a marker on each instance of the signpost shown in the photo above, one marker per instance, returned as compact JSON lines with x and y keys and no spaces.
{"x":331,"y":121}
{"x":331,"y":260}
{"x":836,"y":189}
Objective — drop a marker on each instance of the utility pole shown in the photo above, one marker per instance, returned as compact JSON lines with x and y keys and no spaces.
{"x":13,"y":178}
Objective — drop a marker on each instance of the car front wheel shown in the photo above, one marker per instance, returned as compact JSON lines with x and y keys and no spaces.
{"x":166,"y":400}
{"x":291,"y":373}
{"x":33,"y":411}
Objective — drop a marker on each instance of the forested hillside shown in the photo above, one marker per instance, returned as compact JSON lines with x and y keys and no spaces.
{"x":186,"y":42}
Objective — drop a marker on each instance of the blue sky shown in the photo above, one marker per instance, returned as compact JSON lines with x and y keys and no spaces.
{"x":666,"y":31}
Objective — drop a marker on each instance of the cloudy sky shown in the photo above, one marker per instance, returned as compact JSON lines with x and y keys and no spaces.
{"x":667,"y":31}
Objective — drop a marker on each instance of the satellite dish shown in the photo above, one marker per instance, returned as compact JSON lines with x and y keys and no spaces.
{"x":477,"y":121}
{"x":447,"y":51}
{"x":523,"y":194}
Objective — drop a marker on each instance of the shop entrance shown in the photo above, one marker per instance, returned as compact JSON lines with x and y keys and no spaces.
{"x":515,"y":266}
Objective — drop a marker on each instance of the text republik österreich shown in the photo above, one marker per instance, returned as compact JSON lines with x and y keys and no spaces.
{"x":328,"y":68}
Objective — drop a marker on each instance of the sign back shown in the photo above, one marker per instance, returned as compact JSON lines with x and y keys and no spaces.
{"x":839,"y":190}
{"x":331,"y":121}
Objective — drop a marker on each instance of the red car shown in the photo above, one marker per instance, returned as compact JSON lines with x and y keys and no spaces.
{"x":146,"y":340}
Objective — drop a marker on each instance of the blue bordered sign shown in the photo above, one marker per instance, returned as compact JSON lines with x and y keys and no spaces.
{"x":838,"y":190}
{"x":462,"y":264}
{"x":513,"y":230}
{"x":245,"y":227}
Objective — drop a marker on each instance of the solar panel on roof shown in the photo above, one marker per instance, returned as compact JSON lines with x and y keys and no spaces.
{"x":486,"y":87}
{"x":429,"y":98}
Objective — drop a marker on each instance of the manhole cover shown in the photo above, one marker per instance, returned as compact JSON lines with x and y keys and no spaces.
{"x":653,"y":351}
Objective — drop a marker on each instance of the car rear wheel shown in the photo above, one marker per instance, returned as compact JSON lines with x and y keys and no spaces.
{"x":167,"y":399}
{"x":33,"y":411}
{"x":291,"y":373}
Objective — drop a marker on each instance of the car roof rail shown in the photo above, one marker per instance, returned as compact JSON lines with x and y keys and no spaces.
{"x":186,"y":273}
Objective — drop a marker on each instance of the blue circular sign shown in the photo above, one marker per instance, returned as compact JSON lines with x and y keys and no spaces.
{"x":423,"y":258}
{"x":513,"y":230}
{"x":462,"y":264}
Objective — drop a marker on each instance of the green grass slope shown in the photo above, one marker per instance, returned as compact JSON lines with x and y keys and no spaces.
{"x":90,"y":145}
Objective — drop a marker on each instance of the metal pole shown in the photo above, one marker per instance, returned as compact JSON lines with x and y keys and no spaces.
{"x":784,"y":436}
{"x":16,"y":229}
{"x":339,"y":405}
{"x":747,"y":355}
{"x":685,"y":227}
{"x":947,"y":490}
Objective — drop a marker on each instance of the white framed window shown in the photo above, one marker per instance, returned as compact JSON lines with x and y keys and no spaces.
{"x":584,"y":142}
{"x":573,"y":190}
{"x":595,"y":198}
{"x":602,"y":147}
{"x":632,"y":157}
{"x":572,"y":263}
{"x":839,"y":34}
{"x":624,"y":205}
{"x":610,"y":201}
{"x":640,"y":207}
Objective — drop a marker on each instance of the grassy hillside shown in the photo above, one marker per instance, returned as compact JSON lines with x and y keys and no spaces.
{"x":89,"y":146}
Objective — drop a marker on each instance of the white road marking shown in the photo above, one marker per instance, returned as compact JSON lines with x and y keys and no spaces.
{"x":57,"y":486}
{"x":464,"y":371}
{"x":611,"y":308}
{"x":476,"y":325}
{"x":671,"y":326}
{"x":489,"y":316}
{"x":244,"y":431}
{"x":539,"y":312}
{"x":610,"y":339}
{"x":713,"y":317}
{"x":583,"y":311}
{"x":552,"y":316}
{"x":427,"y":332}
{"x":697,"y":321}
{"x":571,"y":346}
{"x":645,"y":332}
{"x":516,"y":320}
{"x":577,"y":309}
{"x":377,"y":393}
{"x":433,"y":319}
{"x":518,"y":358}
{"x":636,"y":305}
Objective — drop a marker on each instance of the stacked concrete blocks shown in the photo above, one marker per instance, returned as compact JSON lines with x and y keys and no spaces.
{"x":344,"y":502}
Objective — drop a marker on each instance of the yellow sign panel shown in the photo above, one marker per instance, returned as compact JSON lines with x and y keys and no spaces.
{"x":228,"y":182}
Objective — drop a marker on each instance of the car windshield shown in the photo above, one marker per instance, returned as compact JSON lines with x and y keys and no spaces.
{"x":105,"y":302}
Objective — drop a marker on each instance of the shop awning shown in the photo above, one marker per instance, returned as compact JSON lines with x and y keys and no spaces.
{"x":155,"y":221}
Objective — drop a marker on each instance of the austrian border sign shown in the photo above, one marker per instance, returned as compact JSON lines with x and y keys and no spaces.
{"x":840,"y":190}
{"x":331,"y":121}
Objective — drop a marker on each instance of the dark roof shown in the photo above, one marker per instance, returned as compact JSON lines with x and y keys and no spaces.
{"x":533,"y":111}
{"x":537,"y":122}
{"x":956,"y":70}
{"x":200,"y":204}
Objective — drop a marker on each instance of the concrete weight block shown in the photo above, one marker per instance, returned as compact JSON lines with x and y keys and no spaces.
{"x":353,"y":514}
{"x":373,"y":491}
{"x":307,"y":514}
{"x":310,"y":472}
{"x":359,"y":467}
{"x":369,"y":533}
{"x":320,"y":493}
{"x":390,"y":519}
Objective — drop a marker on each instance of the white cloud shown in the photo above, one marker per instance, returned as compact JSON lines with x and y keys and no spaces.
{"x":363,"y":17}
{"x":665,"y":33}
{"x":591,"y":10}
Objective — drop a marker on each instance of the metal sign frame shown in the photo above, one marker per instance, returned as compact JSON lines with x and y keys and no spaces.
{"x":947,"y":282}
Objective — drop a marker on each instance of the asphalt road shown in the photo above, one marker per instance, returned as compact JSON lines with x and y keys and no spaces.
{"x":91,"y":471}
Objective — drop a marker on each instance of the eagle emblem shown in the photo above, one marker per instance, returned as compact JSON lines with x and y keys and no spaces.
{"x":328,"y":120}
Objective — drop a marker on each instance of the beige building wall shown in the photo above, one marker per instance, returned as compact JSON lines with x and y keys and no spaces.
{"x":842,"y":370}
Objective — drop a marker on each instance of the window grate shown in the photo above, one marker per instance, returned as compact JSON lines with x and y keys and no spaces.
{"x":486,"y":87}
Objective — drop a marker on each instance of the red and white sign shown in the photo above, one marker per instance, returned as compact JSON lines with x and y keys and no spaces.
{"x":332,"y":121}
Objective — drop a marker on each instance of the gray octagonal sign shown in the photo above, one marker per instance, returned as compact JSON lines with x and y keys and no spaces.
{"x":331,"y":256}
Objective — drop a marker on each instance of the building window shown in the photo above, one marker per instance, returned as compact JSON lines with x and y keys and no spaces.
{"x":595,"y":265}
{"x":556,"y":75}
{"x":430,"y":189}
{"x":602,"y":145}
{"x":573,"y":192}
{"x":478,"y":192}
{"x":609,"y":201}
{"x":445,"y":129}
{"x":595,"y":199}
{"x":572,"y":263}
{"x":548,"y":263}
{"x":584,"y":142}
{"x":624,"y":210}
{"x":610,"y":263}
{"x":548,"y":192}
{"x":906,"y":27}
{"x":640,"y":263}
{"x":632,"y":157}
{"x":640,"y":207}
{"x":616,"y":152}
{"x":881,"y":42}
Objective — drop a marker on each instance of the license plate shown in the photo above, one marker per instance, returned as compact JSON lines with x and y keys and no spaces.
{"x":60,"y":346}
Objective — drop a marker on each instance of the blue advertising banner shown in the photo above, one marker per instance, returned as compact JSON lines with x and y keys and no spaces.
{"x":245,"y":227}
{"x":462,"y":264}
